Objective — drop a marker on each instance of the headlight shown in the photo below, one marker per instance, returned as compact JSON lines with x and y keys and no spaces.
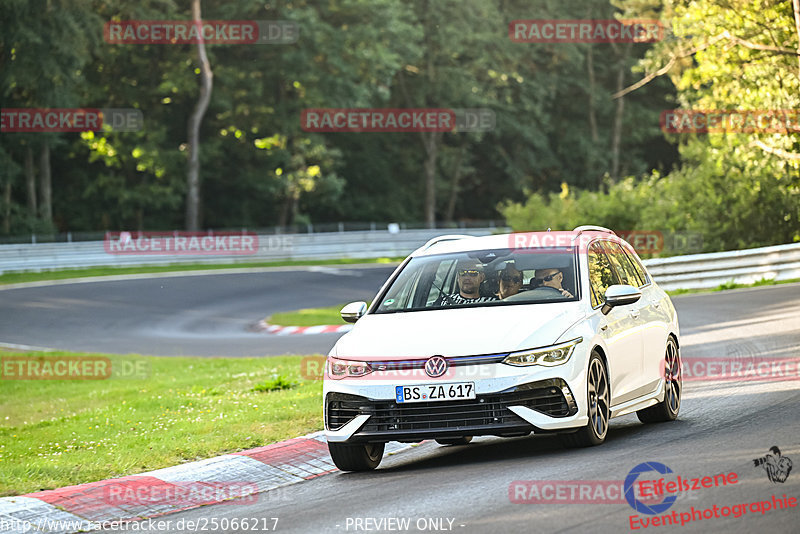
{"x":339,"y":369}
{"x":548,"y":356}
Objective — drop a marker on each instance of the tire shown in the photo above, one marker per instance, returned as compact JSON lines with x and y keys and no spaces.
{"x":454,"y":441}
{"x":667,"y":410}
{"x":598,"y":396}
{"x":356,"y":456}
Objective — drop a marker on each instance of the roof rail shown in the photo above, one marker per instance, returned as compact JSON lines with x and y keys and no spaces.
{"x":590,"y":228}
{"x":441,"y":238}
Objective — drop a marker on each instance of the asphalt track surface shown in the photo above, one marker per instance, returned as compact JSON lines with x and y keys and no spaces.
{"x":721,"y":428}
{"x":200,"y":315}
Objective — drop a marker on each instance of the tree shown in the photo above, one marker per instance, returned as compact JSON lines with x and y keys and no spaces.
{"x":43,"y":47}
{"x":734,"y":55}
{"x":196,"y":118}
{"x":555,"y":120}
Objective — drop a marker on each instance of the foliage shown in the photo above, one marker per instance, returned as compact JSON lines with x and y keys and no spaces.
{"x":739,"y":190}
{"x":275,"y":383}
{"x":556,"y":118}
{"x":57,"y":433}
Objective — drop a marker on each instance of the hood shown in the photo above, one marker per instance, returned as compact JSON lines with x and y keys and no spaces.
{"x":457,"y":332}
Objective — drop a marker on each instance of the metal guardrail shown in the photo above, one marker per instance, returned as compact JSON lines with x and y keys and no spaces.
{"x":703,"y":271}
{"x":319,"y":228}
{"x":271,"y":247}
{"x":695,"y":271}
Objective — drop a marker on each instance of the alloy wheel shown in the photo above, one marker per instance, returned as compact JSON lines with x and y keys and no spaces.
{"x":598,"y":398}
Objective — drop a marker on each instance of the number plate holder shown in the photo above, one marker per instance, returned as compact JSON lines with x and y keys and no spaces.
{"x":434,"y":392}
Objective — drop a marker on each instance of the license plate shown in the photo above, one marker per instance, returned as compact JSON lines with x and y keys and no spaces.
{"x":435,"y":392}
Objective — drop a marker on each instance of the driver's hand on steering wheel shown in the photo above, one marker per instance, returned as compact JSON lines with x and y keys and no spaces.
{"x":566,"y":293}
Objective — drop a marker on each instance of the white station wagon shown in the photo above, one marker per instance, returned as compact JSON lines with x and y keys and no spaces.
{"x":504,"y":335}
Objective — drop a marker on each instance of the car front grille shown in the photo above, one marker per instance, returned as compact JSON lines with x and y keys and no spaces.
{"x":545,"y":396}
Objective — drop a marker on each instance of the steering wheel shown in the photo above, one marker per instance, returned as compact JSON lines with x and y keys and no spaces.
{"x":546,"y":288}
{"x":527,"y":294}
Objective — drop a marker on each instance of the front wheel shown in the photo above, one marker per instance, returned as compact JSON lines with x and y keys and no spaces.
{"x":598,"y":396}
{"x":356,"y":456}
{"x":667,"y":410}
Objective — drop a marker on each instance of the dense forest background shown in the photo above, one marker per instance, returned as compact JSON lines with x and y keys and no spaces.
{"x":574,"y":143}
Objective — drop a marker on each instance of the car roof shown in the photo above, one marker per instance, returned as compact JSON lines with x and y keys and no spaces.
{"x":456,"y":244}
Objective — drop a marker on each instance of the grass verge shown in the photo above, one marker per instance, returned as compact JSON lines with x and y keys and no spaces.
{"x":732,"y":285}
{"x":16,"y":278}
{"x":308,"y":317}
{"x":55,"y":433}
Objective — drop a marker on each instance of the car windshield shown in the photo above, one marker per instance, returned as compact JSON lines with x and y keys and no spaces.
{"x":483,"y":278}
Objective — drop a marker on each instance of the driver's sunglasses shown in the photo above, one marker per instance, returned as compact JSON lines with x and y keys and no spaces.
{"x":548,"y":278}
{"x":471,"y":272}
{"x":513,"y":279}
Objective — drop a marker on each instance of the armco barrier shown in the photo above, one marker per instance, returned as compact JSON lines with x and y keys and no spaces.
{"x":702,"y":271}
{"x":272,"y":247}
{"x":696,"y":271}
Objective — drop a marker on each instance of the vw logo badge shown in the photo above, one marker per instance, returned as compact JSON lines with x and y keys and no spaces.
{"x":435,"y":366}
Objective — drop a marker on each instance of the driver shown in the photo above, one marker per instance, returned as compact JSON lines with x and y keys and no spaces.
{"x":551,"y":278}
{"x":470,"y":276}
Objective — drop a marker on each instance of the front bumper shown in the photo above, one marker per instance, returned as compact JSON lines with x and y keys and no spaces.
{"x":546,"y":405}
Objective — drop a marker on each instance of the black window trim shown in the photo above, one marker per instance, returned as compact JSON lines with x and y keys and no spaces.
{"x":613,"y":268}
{"x":639,"y":285}
{"x":637,"y":263}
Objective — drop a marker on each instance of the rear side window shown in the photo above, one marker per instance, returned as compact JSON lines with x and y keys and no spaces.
{"x":627,"y":274}
{"x":601,"y":273}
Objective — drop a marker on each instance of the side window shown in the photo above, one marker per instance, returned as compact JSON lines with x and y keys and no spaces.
{"x":627,"y":274}
{"x":445,"y":274}
{"x":402,"y":291}
{"x":601,"y":274}
{"x":638,"y":268}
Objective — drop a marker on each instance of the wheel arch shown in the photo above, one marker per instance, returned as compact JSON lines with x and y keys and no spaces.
{"x":601,"y":351}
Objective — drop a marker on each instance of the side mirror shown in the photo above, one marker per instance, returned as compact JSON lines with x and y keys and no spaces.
{"x":354,"y":311}
{"x":620,"y":295}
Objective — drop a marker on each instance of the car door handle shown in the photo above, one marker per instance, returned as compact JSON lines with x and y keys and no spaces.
{"x":604,"y":327}
{"x":656,"y":303}
{"x":635,"y":314}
